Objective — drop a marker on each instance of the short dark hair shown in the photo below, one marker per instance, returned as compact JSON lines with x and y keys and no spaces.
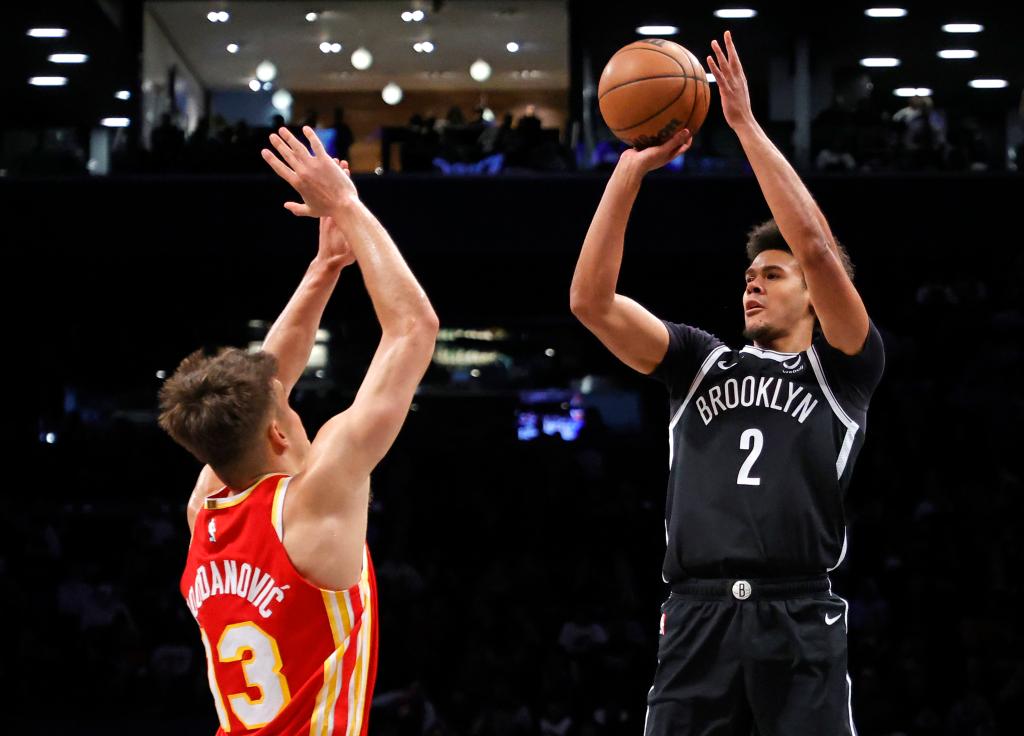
{"x":215,"y":405}
{"x":766,"y":236}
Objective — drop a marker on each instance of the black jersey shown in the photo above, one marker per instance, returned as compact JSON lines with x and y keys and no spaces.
{"x":761,"y":448}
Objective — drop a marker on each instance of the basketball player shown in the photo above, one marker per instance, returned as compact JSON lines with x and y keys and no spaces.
{"x":278,"y":574}
{"x":762,"y":442}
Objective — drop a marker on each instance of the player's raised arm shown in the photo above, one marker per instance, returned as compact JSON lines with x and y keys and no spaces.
{"x":840,"y":310}
{"x":634,"y":335}
{"x":293,"y":334}
{"x":351,"y":444}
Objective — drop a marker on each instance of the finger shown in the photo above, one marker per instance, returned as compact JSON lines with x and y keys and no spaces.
{"x":676,"y":140}
{"x":719,"y":54}
{"x":291,"y":140}
{"x":719,"y":77}
{"x":279,"y":167}
{"x":318,"y":147}
{"x":299,"y":210}
{"x":734,"y":56}
{"x":285,"y":150}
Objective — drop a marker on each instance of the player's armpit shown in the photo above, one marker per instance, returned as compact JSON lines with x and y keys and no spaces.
{"x":632,"y":333}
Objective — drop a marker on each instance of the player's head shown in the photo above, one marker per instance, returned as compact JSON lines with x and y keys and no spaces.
{"x":776,"y":302}
{"x":230,"y":411}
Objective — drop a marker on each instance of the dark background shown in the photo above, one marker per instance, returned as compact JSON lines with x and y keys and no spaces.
{"x":519,"y":581}
{"x":493,"y":552}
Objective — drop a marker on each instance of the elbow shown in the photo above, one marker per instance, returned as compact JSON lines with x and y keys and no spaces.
{"x":424,"y":323}
{"x":419,"y":326}
{"x":580,"y":304}
{"x":577,"y":305}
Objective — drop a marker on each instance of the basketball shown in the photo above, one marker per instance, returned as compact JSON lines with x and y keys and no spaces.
{"x":651,"y":89}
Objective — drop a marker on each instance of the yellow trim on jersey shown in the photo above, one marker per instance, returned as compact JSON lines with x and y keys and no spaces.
{"x":361,"y":672}
{"x":223,"y":503}
{"x":218,"y":699}
{"x":341,"y":617}
{"x":277,"y":507}
{"x":322,"y":722}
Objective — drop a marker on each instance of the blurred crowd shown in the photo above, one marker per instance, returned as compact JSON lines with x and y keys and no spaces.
{"x":853,"y":134}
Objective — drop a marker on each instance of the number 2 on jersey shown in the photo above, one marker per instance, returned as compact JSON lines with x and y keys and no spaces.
{"x":752,"y":439}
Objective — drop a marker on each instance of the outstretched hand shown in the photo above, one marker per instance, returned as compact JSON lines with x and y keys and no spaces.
{"x":318,"y":178}
{"x":333,"y":246}
{"x":655,"y":157}
{"x":732,"y":83}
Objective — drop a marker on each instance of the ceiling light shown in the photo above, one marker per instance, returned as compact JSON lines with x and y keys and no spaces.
{"x":427,"y":47}
{"x":335,"y":48}
{"x":880,"y":61}
{"x":362,"y":58}
{"x":958,"y":54}
{"x":912,"y":92}
{"x":69,"y":58}
{"x":657,"y":30}
{"x":232,"y":48}
{"x":282,"y":100}
{"x":512,"y":47}
{"x":988,"y":83}
{"x":407,"y":16}
{"x":735,"y":13}
{"x":311,"y":17}
{"x":115,"y":122}
{"x":123,"y":94}
{"x":711,"y":78}
{"x":266,"y":71}
{"x":418,"y":15}
{"x":391,"y":94}
{"x":963,"y":28}
{"x":48,"y":81}
{"x":480,"y":70}
{"x":325,"y":47}
{"x":885,"y":12}
{"x":254,"y":85}
{"x":48,"y":32}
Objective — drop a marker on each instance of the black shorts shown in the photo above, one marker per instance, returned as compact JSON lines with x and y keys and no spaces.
{"x":769,"y":659}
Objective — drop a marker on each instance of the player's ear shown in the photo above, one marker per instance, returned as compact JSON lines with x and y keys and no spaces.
{"x":278,"y":441}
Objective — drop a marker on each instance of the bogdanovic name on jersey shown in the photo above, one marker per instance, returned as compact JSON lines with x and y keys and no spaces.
{"x":227,"y":577}
{"x":752,"y":391}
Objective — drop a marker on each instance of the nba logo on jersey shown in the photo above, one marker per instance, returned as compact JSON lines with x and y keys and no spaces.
{"x":212,"y":529}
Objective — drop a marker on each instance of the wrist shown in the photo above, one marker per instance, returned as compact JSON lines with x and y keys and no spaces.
{"x":631,"y":171}
{"x":344,"y":206}
{"x":746,"y":126}
{"x":326,"y":265}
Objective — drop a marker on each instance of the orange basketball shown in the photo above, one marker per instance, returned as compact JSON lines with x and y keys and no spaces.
{"x":651,"y":89}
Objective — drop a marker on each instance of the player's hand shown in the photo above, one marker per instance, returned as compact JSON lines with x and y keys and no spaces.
{"x":732,"y":83}
{"x":655,"y":157}
{"x":334,"y":248}
{"x":319,"y":179}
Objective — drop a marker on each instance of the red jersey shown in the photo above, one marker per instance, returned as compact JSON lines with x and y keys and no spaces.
{"x":284,"y":657}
